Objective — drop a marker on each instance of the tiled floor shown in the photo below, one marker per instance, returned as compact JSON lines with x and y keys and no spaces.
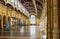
{"x":33,"y":32}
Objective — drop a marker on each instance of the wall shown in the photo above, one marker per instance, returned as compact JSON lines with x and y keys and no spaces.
{"x":9,"y":13}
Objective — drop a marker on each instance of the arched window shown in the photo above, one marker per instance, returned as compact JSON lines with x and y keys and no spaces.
{"x":32,"y":19}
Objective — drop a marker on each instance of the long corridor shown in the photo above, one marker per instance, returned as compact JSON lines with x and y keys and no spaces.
{"x":29,"y":19}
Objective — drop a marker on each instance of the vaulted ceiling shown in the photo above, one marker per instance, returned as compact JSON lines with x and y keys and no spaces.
{"x":33,"y":6}
{"x":29,"y":5}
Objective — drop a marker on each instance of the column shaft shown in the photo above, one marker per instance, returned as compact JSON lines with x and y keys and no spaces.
{"x":59,"y":16}
{"x":49,"y":19}
{"x":52,"y":16}
{"x":2,"y":22}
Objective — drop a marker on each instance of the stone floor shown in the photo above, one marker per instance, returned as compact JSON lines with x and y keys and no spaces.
{"x":27,"y":32}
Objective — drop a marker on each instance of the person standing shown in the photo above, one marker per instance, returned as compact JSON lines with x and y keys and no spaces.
{"x":7,"y":25}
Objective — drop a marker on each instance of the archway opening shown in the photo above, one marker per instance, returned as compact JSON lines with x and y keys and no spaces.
{"x":32,"y":19}
{"x":4,"y":21}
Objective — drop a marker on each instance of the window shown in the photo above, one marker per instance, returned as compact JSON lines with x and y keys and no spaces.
{"x":32,"y":19}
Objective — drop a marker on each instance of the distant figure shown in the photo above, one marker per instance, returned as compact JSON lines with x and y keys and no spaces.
{"x":7,"y":25}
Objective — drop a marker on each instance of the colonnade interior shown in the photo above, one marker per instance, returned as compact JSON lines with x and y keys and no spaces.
{"x":29,"y":19}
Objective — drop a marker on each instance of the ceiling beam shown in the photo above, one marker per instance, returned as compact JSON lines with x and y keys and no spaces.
{"x":34,"y":2}
{"x":41,"y":2}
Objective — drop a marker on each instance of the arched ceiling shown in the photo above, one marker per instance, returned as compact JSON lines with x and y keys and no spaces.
{"x":33,"y":6}
{"x":28,"y":4}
